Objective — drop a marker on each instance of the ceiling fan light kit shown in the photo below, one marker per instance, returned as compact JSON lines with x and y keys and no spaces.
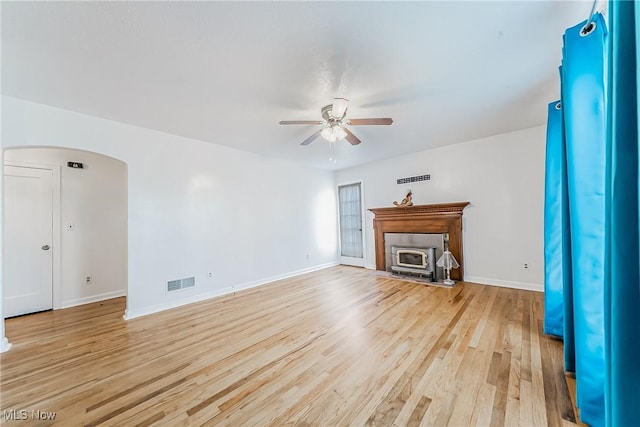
{"x":335,"y":124}
{"x":333,"y":133}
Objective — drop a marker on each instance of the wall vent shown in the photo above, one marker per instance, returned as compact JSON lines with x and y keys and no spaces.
{"x":413,"y":179}
{"x":174,"y":285}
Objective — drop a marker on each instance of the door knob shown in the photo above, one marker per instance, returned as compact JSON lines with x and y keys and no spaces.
{"x":46,"y":247}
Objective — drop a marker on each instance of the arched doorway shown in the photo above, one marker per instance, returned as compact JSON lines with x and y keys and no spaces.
{"x":88,"y":234}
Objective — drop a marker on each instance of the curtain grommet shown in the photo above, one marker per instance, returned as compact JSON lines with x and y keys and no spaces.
{"x":587,"y":29}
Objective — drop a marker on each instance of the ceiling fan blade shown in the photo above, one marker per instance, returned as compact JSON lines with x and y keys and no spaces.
{"x":380,"y":121}
{"x":301,"y":122}
{"x":311,"y":138}
{"x":353,"y":140}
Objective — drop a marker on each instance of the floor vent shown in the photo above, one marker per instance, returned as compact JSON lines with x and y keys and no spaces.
{"x":175,"y":285}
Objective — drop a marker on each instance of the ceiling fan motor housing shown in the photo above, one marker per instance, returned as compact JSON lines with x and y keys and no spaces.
{"x":327,"y":111}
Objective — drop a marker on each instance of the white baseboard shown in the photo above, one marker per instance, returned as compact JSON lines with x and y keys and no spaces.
{"x":271,"y":279}
{"x":92,"y":298}
{"x":505,"y":283}
{"x":370,"y":266}
{"x":4,"y":345}
{"x":144,"y":311}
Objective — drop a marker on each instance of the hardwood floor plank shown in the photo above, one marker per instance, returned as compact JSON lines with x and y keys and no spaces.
{"x":483,"y":406}
{"x":515,"y":337}
{"x":500,"y":399}
{"x":340,"y":346}
{"x":151,"y":420}
{"x":525,"y":361}
{"x":526,"y":403}
{"x":552,"y":395}
{"x":418,"y":412}
{"x":494,"y":369}
{"x":537,"y":380}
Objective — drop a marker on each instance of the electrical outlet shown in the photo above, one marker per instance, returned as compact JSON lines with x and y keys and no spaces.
{"x":88,"y":280}
{"x":210,"y":275}
{"x":526,"y":266}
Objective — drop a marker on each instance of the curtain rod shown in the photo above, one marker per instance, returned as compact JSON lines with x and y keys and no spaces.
{"x":593,"y":10}
{"x":601,"y":8}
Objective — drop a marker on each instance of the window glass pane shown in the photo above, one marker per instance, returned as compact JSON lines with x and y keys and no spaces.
{"x":350,"y":220}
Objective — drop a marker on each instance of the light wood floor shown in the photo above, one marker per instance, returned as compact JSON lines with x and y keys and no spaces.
{"x":341,"y":346}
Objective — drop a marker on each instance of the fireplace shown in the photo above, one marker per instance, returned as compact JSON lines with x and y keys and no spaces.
{"x":414,"y":261}
{"x":440,"y":219}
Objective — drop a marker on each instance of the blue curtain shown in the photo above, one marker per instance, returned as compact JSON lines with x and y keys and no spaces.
{"x":558,"y":288}
{"x":601,"y":283}
{"x":556,"y":230}
{"x":567,"y":282}
{"x":622,"y":296}
{"x":583,"y":90}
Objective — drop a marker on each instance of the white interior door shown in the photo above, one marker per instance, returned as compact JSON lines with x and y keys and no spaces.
{"x":28,"y":234}
{"x":350,"y":207}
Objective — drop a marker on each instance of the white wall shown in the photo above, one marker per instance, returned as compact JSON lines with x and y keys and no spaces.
{"x":503,"y":178}
{"x":196,"y":207}
{"x":94,"y":201}
{"x":4,"y":342}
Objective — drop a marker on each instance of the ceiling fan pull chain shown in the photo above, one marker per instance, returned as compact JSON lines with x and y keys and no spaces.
{"x":332,"y":152}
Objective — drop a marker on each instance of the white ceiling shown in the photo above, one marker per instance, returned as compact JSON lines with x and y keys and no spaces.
{"x":228,"y":72}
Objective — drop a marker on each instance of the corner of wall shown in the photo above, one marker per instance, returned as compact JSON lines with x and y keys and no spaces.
{"x":4,"y":344}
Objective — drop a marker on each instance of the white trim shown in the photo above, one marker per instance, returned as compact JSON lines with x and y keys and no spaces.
{"x":29,"y":165}
{"x":144,"y":311}
{"x":156,"y":308}
{"x":362,"y":219}
{"x":57,"y":238}
{"x":93,"y":298}
{"x":370,"y":266}
{"x":352,"y":261}
{"x":4,"y":344}
{"x":505,"y":283}
{"x":272,"y":279}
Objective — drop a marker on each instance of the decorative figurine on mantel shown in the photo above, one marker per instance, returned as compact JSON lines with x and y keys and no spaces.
{"x":406,"y":202}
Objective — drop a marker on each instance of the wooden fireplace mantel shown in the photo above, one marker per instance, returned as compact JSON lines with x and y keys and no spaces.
{"x":438,"y":218}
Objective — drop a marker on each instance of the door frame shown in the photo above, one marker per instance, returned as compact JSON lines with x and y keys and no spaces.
{"x":362,"y":216}
{"x":56,"y":278}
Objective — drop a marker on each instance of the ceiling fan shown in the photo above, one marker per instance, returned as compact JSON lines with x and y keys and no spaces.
{"x":335,"y":123}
